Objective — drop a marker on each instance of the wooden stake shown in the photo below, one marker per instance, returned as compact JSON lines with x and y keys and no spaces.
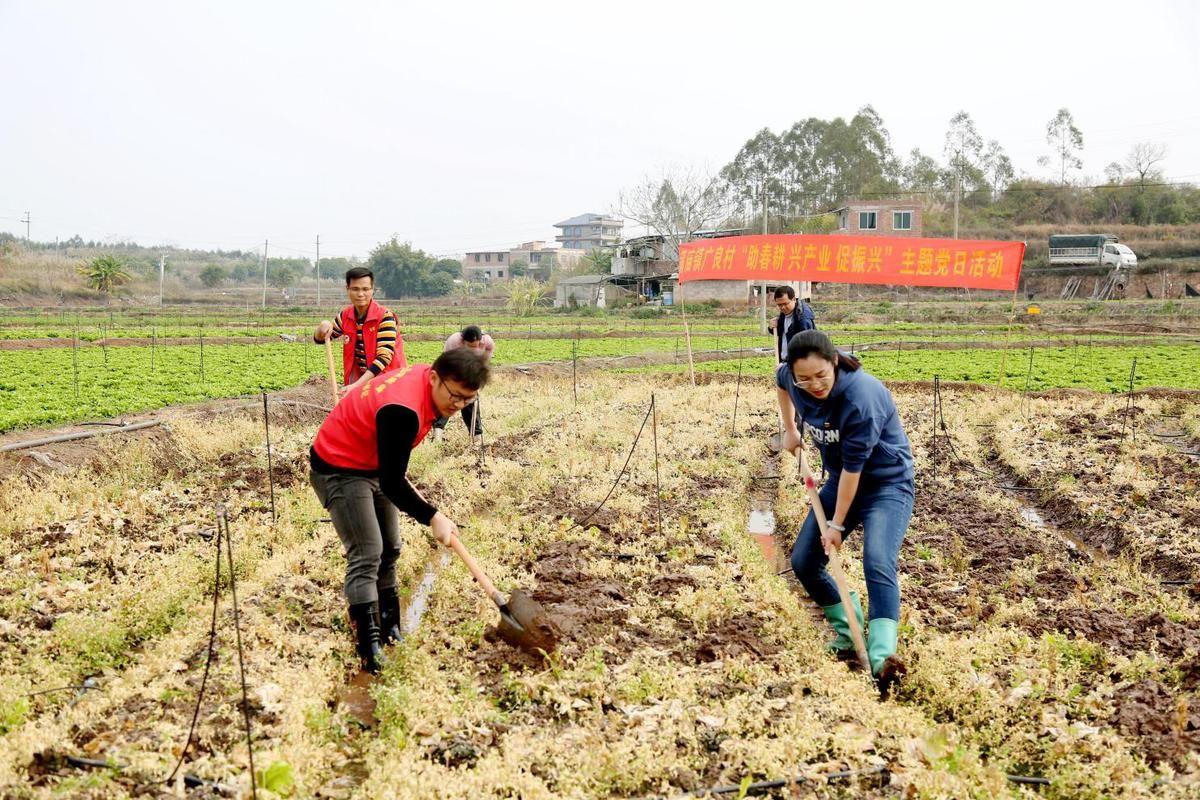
{"x":332,"y":375}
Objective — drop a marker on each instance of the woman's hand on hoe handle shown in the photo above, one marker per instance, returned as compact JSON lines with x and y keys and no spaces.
{"x":831,"y":537}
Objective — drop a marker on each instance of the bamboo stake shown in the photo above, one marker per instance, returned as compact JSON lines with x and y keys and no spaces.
{"x":1012,"y":315}
{"x":687,"y":333}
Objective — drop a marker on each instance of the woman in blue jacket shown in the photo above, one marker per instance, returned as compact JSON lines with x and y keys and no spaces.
{"x":853,"y":421}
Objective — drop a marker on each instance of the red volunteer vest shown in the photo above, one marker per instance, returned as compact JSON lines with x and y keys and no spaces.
{"x":370,"y":334}
{"x":347,"y":437}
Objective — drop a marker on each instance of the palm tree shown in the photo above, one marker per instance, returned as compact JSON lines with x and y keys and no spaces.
{"x":523,"y":295}
{"x":104,"y":273}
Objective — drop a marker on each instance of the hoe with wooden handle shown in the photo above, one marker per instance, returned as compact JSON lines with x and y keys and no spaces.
{"x":523,"y":621}
{"x":835,"y":561}
{"x":332,"y":374}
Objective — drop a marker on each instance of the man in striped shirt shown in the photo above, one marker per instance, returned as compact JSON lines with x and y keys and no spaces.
{"x":366,"y":327}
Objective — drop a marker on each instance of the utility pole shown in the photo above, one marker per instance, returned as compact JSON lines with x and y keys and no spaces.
{"x":762,"y":287}
{"x":26,"y":221}
{"x":318,"y":271}
{"x":162,"y":269}
{"x":957,"y":192}
{"x":264,"y":293}
{"x":958,"y":182}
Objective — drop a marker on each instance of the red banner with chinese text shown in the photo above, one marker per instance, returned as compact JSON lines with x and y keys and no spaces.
{"x":892,"y":260}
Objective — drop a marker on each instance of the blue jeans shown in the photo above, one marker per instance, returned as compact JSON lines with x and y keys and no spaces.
{"x":883,"y":512}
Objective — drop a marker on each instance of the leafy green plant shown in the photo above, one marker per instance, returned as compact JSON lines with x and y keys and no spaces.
{"x":105,"y":273}
{"x":279,"y":778}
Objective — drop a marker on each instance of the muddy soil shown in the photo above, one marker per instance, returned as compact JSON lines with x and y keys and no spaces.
{"x":591,"y":611}
{"x":1106,"y":534}
{"x":1122,"y":634}
{"x":1166,"y":725}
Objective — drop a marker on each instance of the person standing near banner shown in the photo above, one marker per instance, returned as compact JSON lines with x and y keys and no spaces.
{"x":795,"y":315}
{"x":852,"y":419}
{"x":367,"y":327}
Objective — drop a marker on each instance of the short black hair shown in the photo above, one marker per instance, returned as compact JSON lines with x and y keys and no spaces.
{"x":354,"y":273}
{"x":463,"y":365}
{"x":785,"y":291}
{"x":472,"y":333}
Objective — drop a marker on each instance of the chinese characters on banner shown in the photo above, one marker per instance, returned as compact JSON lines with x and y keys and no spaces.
{"x":896,"y":261}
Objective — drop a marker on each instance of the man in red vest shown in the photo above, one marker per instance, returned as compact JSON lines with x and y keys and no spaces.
{"x":367,"y":327}
{"x":359,"y":460}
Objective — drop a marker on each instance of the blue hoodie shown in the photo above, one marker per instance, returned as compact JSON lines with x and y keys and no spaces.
{"x":856,"y":428}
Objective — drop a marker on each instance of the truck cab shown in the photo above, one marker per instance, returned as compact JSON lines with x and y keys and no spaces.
{"x":1118,"y":255}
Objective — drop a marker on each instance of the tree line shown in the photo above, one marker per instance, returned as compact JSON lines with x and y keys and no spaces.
{"x":816,"y":164}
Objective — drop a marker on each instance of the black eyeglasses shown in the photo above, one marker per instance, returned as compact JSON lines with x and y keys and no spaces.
{"x":455,"y":397}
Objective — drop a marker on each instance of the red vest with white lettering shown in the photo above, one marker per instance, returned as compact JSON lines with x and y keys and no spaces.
{"x":347,"y":437}
{"x":370,"y":334}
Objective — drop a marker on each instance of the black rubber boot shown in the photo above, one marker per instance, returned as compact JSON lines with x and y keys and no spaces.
{"x":364,"y":618}
{"x":389,"y":617}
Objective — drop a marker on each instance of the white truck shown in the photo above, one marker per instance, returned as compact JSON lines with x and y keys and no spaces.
{"x":1094,"y":250}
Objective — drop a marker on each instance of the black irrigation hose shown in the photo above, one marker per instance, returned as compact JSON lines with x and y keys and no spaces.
{"x":87,"y":685}
{"x":780,"y":783}
{"x":222,"y":532}
{"x":620,"y":474}
{"x":237,"y":627}
{"x":939,"y":422}
{"x":212,"y":644}
{"x":92,"y":763}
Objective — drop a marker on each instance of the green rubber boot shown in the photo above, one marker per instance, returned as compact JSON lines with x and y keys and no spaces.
{"x":843,"y":644}
{"x":881,"y":650}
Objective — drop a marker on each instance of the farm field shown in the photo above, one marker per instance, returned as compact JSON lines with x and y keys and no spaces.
{"x":1101,"y":369}
{"x":936,"y":318}
{"x":97,"y":382}
{"x":1049,"y":583}
{"x":115,"y":363}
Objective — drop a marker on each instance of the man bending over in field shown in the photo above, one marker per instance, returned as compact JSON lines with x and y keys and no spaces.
{"x":475,"y":339}
{"x":367,"y":328}
{"x":359,"y":461}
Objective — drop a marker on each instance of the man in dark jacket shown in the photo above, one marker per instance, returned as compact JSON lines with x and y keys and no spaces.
{"x":794,"y":316}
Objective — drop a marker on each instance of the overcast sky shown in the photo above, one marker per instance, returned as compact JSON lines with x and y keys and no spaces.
{"x":464,"y":125}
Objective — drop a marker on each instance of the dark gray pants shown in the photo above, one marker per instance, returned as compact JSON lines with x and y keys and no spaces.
{"x":369,"y":527}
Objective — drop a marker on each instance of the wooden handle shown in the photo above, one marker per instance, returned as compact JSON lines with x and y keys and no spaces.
{"x":835,"y":561}
{"x":332,"y":373}
{"x":476,"y":572}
